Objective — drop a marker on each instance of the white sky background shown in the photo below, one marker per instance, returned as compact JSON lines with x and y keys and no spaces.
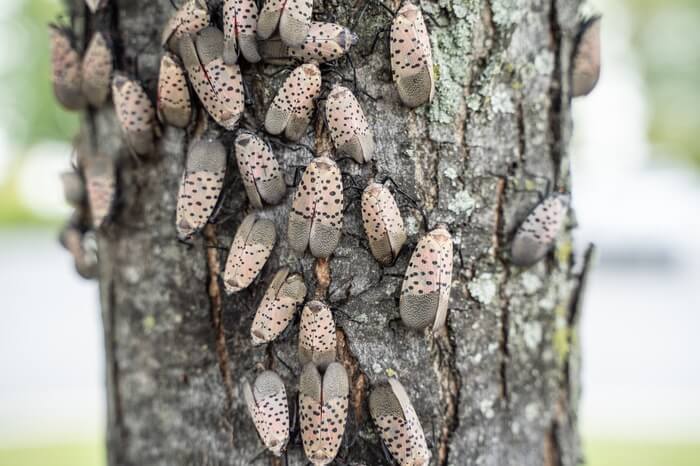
{"x":641,"y":365}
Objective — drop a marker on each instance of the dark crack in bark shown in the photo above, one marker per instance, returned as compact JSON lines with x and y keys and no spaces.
{"x":359,"y":382}
{"x":444,"y":364}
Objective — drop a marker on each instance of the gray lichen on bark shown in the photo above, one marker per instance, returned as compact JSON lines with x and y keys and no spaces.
{"x":498,"y":386}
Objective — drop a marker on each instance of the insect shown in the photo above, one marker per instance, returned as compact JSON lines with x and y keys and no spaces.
{"x":293,"y":17}
{"x":323,"y":410}
{"x":249,"y":252}
{"x":267,"y":404}
{"x":586,"y":65}
{"x":398,"y":423}
{"x":200,"y":186}
{"x":218,"y":85}
{"x":240,"y":26}
{"x":101,"y":181}
{"x":285,"y":293}
{"x":291,"y":109}
{"x":97,"y":70}
{"x":73,"y":188}
{"x":325,"y":42}
{"x":425,"y":292}
{"x":316,"y":216}
{"x":66,"y":72}
{"x":192,"y":17}
{"x":174,"y":103}
{"x":136,"y":114}
{"x":262,"y":178}
{"x":536,"y":235}
{"x":411,"y":57}
{"x":383,"y":223}
{"x":317,"y":335}
{"x":348,"y":126}
{"x":83,"y":248}
{"x":95,"y":5}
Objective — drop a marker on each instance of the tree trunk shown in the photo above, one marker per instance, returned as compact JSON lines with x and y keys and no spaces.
{"x":498,"y":386}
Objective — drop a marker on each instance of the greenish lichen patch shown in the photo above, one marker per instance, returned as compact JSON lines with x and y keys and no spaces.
{"x":148,"y":323}
{"x":508,"y":12}
{"x":462,"y":203}
{"x":483,"y":288}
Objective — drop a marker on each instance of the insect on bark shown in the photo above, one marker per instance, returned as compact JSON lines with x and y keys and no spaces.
{"x":73,"y":189}
{"x":240,"y":27}
{"x":323,"y":410}
{"x":97,"y":70}
{"x":200,"y":186}
{"x":95,"y":5}
{"x":262,"y":178}
{"x":291,"y":109}
{"x":267,"y":404}
{"x":425,"y":293}
{"x":383,"y":223}
{"x":136,"y":114}
{"x":66,"y":69}
{"x":249,"y":252}
{"x":219,"y":86}
{"x":278,"y":306}
{"x":101,"y":181}
{"x":317,"y":341}
{"x":324,"y":42}
{"x":411,"y":57}
{"x":348,"y":126}
{"x":82,"y":248}
{"x":316,"y":217}
{"x":174,"y":103}
{"x":398,"y":424}
{"x":586,"y":63}
{"x":190,"y":18}
{"x":292,"y":16}
{"x":537,"y":234}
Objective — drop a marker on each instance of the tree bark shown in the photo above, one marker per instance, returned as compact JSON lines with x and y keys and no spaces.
{"x":498,"y":386}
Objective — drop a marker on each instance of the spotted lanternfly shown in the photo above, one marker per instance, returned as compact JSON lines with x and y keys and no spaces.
{"x":317,"y":334}
{"x":537,"y":233}
{"x":66,"y":72}
{"x":174,"y":104}
{"x":267,"y":405}
{"x":73,"y":188}
{"x":218,"y":85}
{"x":293,"y":17}
{"x":398,"y":424}
{"x":80,"y":246}
{"x":323,"y":410}
{"x":425,"y":292}
{"x":262,"y":178}
{"x":325,"y":42}
{"x":191,"y":18}
{"x":95,"y":5}
{"x":316,"y":217}
{"x":249,"y":252}
{"x":586,"y":66}
{"x":240,"y":26}
{"x":97,"y":70}
{"x":383,"y":223}
{"x":348,"y":126}
{"x":136,"y":114}
{"x":200,"y":186}
{"x":411,"y":57}
{"x":101,"y":181}
{"x":291,"y":109}
{"x":278,"y":306}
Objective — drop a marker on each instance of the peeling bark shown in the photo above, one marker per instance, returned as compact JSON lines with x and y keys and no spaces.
{"x":498,"y":386}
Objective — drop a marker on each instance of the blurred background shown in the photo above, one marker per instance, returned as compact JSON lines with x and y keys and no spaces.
{"x":636,"y":192}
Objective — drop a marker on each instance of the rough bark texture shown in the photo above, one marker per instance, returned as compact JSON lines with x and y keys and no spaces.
{"x":499,"y":386}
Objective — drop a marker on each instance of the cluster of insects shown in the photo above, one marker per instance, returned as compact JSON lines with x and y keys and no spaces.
{"x":199,"y":56}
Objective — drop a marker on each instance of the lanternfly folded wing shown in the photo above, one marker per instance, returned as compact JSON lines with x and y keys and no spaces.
{"x":316,"y":217}
{"x":425,"y":292}
{"x":295,"y":21}
{"x":66,"y":69}
{"x":324,"y":42}
{"x":262,"y":178}
{"x":200,"y":186}
{"x":278,"y":306}
{"x":240,"y":26}
{"x":398,"y":424}
{"x":323,"y":409}
{"x":537,"y":233}
{"x":383,"y":223}
{"x":174,"y":104}
{"x":97,"y":70}
{"x":411,"y":57}
{"x":249,"y":252}
{"x":269,"y":17}
{"x":586,"y":66}
{"x":291,"y":109}
{"x":136,"y":114}
{"x":348,"y":126}
{"x":73,"y":188}
{"x":192,"y":17}
{"x":317,"y":339}
{"x":267,"y":404}
{"x":101,"y":181}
